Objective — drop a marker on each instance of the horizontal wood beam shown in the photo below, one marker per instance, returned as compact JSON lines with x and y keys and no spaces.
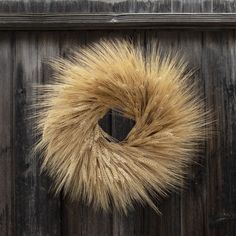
{"x":72,"y":21}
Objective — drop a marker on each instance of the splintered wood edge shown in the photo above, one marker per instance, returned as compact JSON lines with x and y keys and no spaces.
{"x":74,"y":21}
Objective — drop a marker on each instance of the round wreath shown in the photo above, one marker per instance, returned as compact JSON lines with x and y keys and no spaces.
{"x":153,"y":89}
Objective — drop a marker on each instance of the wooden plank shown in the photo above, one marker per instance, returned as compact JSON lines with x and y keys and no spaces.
{"x":194,"y":218}
{"x":207,"y":6}
{"x":224,"y":6}
{"x":76,"y":21}
{"x":115,"y":6}
{"x":78,"y":218}
{"x":50,"y":210}
{"x":87,"y":6}
{"x":218,"y":66}
{"x":231,"y":165}
{"x":83,"y":6}
{"x":189,"y":6}
{"x":169,"y":222}
{"x":159,"y":6}
{"x":6,"y":148}
{"x":36,"y":213}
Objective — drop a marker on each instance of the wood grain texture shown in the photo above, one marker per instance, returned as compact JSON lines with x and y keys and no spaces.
{"x":86,"y":6}
{"x":75,"y":21}
{"x":194,"y":197}
{"x":36,"y":211}
{"x":117,"y":6}
{"x":207,"y":207}
{"x":219,"y":70}
{"x":6,"y":147}
{"x":224,"y":6}
{"x":48,"y":47}
{"x":25,"y":172}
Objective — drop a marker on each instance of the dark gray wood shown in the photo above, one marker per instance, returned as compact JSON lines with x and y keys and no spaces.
{"x":48,"y":47}
{"x":196,"y":6}
{"x":117,"y":6}
{"x":193,"y":196}
{"x":224,"y":6}
{"x":218,"y":66}
{"x":6,"y":128}
{"x":75,"y":21}
{"x":207,"y":205}
{"x":36,"y":211}
{"x":85,"y":6}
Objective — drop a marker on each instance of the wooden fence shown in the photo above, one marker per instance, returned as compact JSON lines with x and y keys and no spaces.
{"x":207,"y":207}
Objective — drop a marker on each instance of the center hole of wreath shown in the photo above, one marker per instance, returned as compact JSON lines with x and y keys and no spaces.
{"x":116,"y":125}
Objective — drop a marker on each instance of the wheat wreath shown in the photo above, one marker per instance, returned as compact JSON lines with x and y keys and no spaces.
{"x":153,"y":90}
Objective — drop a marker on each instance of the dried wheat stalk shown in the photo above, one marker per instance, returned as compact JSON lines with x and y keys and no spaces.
{"x":154,"y":91}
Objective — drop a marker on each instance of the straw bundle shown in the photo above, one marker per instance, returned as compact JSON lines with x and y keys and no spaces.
{"x":152,"y":90}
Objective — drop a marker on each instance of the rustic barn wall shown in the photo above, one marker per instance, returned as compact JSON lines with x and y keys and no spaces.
{"x":207,"y":207}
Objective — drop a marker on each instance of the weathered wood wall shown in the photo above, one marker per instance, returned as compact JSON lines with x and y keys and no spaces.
{"x":118,"y":6}
{"x":207,"y":207}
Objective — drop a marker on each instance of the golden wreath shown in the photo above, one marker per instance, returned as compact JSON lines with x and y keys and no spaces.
{"x":153,"y":90}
